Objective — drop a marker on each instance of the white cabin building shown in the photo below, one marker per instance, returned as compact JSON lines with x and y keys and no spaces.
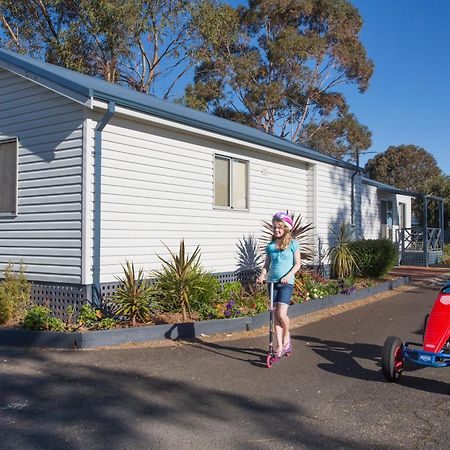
{"x":93,"y":174}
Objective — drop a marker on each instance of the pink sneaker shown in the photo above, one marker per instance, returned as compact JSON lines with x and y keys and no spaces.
{"x":287,"y":348}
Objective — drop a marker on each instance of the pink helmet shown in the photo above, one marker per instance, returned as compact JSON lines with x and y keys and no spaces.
{"x":285,"y":218}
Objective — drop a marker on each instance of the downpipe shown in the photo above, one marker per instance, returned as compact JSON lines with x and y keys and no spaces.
{"x":96,"y":289}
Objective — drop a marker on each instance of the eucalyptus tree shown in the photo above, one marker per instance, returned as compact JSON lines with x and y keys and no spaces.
{"x":146,"y":45}
{"x":403,"y":166}
{"x":278,"y":65}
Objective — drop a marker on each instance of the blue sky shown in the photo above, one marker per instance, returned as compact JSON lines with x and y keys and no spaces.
{"x":408,"y":100}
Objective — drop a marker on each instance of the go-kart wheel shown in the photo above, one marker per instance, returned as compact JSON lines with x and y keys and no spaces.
{"x":392,"y":358}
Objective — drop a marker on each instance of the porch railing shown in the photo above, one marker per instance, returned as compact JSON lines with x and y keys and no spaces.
{"x":411,"y":239}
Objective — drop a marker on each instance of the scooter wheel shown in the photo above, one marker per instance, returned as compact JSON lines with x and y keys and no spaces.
{"x":392,"y":358}
{"x":269,"y":361}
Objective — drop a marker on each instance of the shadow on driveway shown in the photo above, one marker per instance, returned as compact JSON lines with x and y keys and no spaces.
{"x":343,"y":359}
{"x":49,"y":404}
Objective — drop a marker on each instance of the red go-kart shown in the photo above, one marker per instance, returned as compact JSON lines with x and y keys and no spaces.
{"x":435,"y":350}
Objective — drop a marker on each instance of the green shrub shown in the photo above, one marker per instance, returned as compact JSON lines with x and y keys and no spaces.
{"x":375,"y":257}
{"x":309,"y":285}
{"x":106,"y":323}
{"x":203,"y":289}
{"x":93,"y":319}
{"x":14,"y":294}
{"x":180,"y":280}
{"x":258,"y":301}
{"x":232,"y":290}
{"x":88,"y":316}
{"x":38,"y":318}
{"x":446,"y":255}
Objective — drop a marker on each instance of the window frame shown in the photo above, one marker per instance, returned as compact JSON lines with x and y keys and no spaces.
{"x":231,"y":160}
{"x":10,"y":140}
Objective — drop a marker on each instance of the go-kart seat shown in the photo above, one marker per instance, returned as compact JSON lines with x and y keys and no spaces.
{"x":446,"y":288}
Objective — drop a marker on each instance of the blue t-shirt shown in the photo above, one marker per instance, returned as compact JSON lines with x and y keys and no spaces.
{"x":281,"y":261}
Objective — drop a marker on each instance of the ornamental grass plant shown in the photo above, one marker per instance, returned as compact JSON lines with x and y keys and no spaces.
{"x":132,"y":299}
{"x":342,"y":257}
{"x":15,"y":292}
{"x":180,"y":278}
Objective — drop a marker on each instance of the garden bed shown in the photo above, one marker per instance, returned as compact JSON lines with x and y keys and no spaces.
{"x":118,"y":336}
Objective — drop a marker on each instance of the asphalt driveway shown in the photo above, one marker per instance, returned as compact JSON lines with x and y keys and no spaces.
{"x":204,"y":395}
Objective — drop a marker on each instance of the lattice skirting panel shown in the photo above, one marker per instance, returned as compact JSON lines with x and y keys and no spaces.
{"x":417,"y":258}
{"x":57,"y":297}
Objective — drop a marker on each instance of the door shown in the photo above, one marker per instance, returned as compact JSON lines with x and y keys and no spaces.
{"x":387,"y":219}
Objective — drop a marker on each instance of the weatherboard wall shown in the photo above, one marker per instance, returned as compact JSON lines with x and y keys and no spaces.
{"x":46,"y":232}
{"x":371,"y":212}
{"x":158,"y":186}
{"x":334,"y":185}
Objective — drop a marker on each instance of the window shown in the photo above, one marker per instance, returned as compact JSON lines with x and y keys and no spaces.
{"x":230,"y":183}
{"x":8,"y":177}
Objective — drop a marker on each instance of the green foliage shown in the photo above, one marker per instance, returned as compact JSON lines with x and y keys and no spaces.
{"x":275,"y":65}
{"x":39,"y":318}
{"x":180,"y":279}
{"x":88,"y":316}
{"x":231,"y":290}
{"x":342,"y":258}
{"x":440,"y":186}
{"x":403,"y":166}
{"x":446,"y":255}
{"x":132,"y":298}
{"x":257,"y":301}
{"x":133,"y":42}
{"x":376,"y":257}
{"x":236,"y":300}
{"x":309,"y":285}
{"x":70,"y":313}
{"x":203,"y":295}
{"x":14,"y":294}
{"x":340,"y":137}
{"x":93,"y":318}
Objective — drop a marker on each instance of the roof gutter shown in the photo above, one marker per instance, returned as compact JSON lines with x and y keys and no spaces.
{"x":96,"y":288}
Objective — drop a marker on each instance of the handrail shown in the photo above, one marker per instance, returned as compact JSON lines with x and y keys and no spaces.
{"x":413,"y":238}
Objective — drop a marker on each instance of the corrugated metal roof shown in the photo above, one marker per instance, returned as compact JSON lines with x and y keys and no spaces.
{"x":388,"y":188}
{"x":91,"y":87}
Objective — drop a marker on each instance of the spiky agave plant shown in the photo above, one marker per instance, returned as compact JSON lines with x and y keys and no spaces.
{"x":132,"y":298}
{"x":299,"y":232}
{"x":181,"y":275}
{"x":342,"y":258}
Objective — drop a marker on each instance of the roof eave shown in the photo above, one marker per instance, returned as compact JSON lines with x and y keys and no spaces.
{"x":387,"y":188}
{"x":73,"y":91}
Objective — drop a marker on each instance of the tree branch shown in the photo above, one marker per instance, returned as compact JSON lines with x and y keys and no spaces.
{"x":14,"y":37}
{"x":166,"y":95}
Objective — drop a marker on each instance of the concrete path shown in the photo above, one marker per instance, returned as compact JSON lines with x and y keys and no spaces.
{"x":218,"y":395}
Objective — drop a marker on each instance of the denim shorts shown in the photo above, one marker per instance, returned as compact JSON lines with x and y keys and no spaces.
{"x":282,"y":293}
